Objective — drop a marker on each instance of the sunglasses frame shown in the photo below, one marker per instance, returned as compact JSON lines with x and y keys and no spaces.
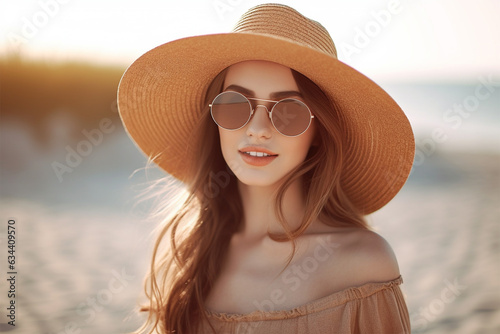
{"x":269,"y":113}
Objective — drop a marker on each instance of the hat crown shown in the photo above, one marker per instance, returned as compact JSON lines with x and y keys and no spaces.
{"x":284,"y":22}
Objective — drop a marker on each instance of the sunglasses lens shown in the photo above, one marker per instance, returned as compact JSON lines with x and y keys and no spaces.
{"x":231,"y":110}
{"x":291,"y":117}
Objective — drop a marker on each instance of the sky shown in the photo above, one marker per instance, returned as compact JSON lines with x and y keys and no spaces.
{"x":394,"y":40}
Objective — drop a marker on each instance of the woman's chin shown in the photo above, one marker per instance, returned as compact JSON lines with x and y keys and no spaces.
{"x":259,"y":180}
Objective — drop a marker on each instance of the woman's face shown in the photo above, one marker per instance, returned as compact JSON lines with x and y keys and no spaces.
{"x":270,"y":81}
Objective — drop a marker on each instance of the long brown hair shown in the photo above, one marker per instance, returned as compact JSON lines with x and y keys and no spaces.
{"x":192,"y":244}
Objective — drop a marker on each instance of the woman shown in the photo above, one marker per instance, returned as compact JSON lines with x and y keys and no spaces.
{"x":283,"y":149}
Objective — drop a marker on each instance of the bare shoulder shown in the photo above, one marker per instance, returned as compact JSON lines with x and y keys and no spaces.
{"x":356,"y":256}
{"x":362,"y":254}
{"x":370,"y":257}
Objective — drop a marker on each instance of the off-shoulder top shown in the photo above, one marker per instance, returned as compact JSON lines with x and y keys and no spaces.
{"x":370,"y":308}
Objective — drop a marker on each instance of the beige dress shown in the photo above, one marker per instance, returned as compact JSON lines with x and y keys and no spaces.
{"x":370,"y":308}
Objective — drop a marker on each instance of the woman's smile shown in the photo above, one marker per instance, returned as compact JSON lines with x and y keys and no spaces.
{"x":257,"y":156}
{"x":257,"y":160}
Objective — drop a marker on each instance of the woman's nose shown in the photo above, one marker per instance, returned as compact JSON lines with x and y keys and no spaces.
{"x":260,"y":124}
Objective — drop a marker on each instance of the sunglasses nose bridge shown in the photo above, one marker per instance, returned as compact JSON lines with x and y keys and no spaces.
{"x":263,"y":106}
{"x":258,"y":124}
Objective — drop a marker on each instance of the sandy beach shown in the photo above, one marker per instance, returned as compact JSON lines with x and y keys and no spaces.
{"x":444,"y":228}
{"x":83,"y":248}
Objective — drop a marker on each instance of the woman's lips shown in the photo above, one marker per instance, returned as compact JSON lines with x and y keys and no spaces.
{"x":257,"y":161}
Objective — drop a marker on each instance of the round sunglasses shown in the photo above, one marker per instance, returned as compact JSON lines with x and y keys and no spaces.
{"x":232,"y":111}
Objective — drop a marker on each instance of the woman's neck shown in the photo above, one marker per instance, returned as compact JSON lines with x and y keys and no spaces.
{"x":259,"y":209}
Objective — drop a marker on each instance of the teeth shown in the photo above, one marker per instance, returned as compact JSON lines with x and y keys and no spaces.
{"x":258,"y":154}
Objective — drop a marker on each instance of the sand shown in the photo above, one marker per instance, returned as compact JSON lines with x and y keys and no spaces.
{"x":445,"y":231}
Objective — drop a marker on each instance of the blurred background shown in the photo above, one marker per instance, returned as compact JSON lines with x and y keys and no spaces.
{"x":70,"y":177}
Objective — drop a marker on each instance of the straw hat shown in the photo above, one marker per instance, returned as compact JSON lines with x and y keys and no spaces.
{"x":160,"y":98}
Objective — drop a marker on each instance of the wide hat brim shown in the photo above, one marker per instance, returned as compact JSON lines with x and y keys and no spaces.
{"x":160,"y":100}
